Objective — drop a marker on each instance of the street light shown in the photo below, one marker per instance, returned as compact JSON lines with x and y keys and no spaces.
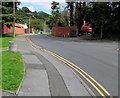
{"x":29,"y":20}
{"x":14,"y":18}
{"x":29,"y":24}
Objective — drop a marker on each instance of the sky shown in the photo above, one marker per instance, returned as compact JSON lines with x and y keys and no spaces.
{"x":39,"y":5}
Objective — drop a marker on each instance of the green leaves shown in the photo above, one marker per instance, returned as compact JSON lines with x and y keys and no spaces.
{"x":55,"y":18}
{"x":103,"y":14}
{"x":7,"y":13}
{"x":55,"y":5}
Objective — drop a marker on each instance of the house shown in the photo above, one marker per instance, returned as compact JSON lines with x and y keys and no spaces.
{"x":18,"y":28}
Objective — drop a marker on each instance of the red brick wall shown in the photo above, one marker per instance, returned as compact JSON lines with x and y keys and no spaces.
{"x":31,"y":30}
{"x":17,"y":30}
{"x":5,"y":29}
{"x":62,"y":31}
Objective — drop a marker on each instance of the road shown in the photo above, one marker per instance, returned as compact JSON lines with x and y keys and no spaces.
{"x":98,"y":59}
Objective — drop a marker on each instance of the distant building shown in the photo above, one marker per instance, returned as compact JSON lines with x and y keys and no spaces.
{"x":24,"y":26}
{"x":19,"y":28}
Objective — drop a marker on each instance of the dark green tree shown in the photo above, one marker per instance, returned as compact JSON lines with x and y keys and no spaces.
{"x":70,"y":7}
{"x":7,"y":12}
{"x":80,"y":11}
{"x":55,"y":18}
{"x":103,"y":17}
{"x":25,"y":10}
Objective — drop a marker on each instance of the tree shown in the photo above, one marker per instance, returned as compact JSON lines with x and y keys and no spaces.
{"x":70,"y":6}
{"x":25,"y":10}
{"x":80,"y":11}
{"x":77,"y":11}
{"x":7,"y":12}
{"x":55,"y":18}
{"x":103,"y":17}
{"x":37,"y":24}
{"x":55,"y":6}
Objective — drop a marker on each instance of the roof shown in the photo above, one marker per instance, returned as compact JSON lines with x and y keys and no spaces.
{"x":18,"y":25}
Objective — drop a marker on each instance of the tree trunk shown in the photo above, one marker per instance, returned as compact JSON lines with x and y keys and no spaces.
{"x":1,"y":29}
{"x":78,"y":17}
{"x":71,"y":14}
{"x":101,"y":35}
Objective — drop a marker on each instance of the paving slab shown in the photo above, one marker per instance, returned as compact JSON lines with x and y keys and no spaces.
{"x":35,"y":66}
{"x":35,"y":84}
{"x":31,"y":59}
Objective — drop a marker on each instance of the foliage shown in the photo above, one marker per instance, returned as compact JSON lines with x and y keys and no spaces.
{"x":55,"y":18}
{"x":22,"y":15}
{"x":55,"y":5}
{"x":36,"y":19}
{"x":103,"y":17}
{"x":40,"y":15}
{"x":7,"y":12}
{"x":25,"y":10}
{"x":36,"y":32}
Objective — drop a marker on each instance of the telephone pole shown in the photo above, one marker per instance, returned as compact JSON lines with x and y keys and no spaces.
{"x":14,"y":18}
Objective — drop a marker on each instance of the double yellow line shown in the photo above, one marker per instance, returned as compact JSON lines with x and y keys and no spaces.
{"x":77,"y":69}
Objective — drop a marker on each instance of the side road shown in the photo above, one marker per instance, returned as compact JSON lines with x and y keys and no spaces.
{"x":45,"y":75}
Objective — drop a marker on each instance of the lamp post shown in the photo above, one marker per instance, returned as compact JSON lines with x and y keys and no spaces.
{"x":14,"y":18}
{"x":12,"y":45}
{"x":29,"y":19}
{"x":29,"y":24}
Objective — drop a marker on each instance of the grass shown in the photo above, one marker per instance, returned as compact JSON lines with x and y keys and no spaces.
{"x":11,"y":67}
{"x":36,"y":32}
{"x":46,"y":33}
{"x":12,"y":70}
{"x":0,"y":69}
{"x":4,"y":41}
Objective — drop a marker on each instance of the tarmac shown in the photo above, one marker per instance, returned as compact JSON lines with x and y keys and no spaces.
{"x":45,"y":75}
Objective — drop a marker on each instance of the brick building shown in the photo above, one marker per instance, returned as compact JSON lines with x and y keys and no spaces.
{"x":19,"y":28}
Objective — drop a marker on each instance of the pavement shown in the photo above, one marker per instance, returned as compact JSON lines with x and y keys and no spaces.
{"x":45,"y":75}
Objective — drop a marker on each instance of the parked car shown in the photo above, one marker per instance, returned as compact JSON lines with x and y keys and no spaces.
{"x":86,"y":29}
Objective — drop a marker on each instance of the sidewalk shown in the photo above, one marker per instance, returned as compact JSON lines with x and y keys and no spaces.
{"x":45,"y":75}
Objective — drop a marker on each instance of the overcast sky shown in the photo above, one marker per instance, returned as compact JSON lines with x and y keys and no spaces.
{"x":39,"y":5}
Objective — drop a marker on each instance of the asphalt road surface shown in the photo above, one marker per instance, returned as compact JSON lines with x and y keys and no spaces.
{"x":99,"y":59}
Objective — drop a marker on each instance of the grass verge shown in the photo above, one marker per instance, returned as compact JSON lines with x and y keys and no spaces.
{"x":4,"y":41}
{"x":46,"y":33}
{"x":12,"y":70}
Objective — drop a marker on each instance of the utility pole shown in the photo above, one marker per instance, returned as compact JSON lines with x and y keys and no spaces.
{"x":14,"y":18}
{"x":29,"y":24}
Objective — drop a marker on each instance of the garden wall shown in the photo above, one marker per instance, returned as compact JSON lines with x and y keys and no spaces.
{"x":63,"y":31}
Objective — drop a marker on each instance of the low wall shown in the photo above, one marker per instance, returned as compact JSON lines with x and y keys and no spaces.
{"x":31,"y":30}
{"x":63,"y":31}
{"x":17,"y":30}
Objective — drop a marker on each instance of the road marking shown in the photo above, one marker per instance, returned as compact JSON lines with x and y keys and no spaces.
{"x":83,"y":72}
{"x":76,"y":68}
{"x":27,"y":37}
{"x":80,"y":74}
